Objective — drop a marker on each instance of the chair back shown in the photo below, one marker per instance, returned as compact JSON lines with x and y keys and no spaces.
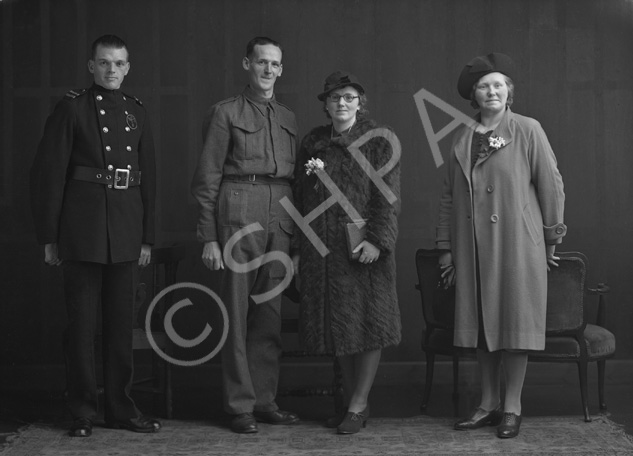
{"x":438,"y":304}
{"x":565,"y":294}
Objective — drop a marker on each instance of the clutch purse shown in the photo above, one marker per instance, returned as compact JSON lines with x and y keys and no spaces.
{"x":355,"y":233}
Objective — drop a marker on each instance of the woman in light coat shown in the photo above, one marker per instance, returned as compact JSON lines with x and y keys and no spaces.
{"x":501,"y":215}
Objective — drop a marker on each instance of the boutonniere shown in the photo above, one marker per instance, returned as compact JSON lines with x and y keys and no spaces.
{"x":314,"y":166}
{"x":494,"y":143}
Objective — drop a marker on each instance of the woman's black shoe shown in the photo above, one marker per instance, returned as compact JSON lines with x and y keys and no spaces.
{"x":480,"y":418}
{"x":509,"y":426}
{"x":353,"y":422}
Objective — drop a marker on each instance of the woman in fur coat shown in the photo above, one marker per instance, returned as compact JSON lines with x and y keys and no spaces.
{"x":349,"y":306}
{"x":501,"y":216}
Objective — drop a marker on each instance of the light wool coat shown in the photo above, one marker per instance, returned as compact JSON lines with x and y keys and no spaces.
{"x":503,"y":215}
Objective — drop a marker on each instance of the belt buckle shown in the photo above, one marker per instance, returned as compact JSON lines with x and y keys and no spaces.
{"x":117,"y":178}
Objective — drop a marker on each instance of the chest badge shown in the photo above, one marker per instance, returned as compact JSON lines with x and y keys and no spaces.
{"x":131,"y":122}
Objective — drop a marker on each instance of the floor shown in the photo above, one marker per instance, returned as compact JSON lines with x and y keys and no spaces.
{"x":19,"y":408}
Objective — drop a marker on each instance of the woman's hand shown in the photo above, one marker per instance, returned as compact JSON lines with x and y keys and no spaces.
{"x":370,"y":252}
{"x":445,"y":263}
{"x":146,"y":255}
{"x":549,"y":254}
{"x":212,"y":255}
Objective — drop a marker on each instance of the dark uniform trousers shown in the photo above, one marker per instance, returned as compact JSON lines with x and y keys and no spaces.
{"x":251,"y":354}
{"x":87,"y":285}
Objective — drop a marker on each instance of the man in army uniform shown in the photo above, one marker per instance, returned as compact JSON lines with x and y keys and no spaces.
{"x":92,"y":192}
{"x":244,"y":170}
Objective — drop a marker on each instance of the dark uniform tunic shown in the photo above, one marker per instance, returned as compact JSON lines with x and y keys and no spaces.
{"x":244,"y":170}
{"x":95,"y":141}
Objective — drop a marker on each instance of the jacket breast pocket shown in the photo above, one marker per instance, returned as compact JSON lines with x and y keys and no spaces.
{"x":289,"y":139}
{"x":249,"y":139}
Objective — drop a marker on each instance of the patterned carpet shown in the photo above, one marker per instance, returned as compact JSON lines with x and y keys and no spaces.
{"x":421,"y":435}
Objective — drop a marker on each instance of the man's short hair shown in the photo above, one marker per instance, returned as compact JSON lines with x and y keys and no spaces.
{"x":261,"y":40}
{"x":109,"y":41}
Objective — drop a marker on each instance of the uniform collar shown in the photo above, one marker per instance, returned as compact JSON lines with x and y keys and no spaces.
{"x":97,"y":88}
{"x":260,"y":101}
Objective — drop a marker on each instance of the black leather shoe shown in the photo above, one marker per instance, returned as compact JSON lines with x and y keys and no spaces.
{"x":276,"y":417}
{"x":480,"y":418}
{"x":142,"y":424}
{"x":509,"y":426}
{"x":244,"y":423}
{"x":353,"y":422}
{"x":81,"y":427}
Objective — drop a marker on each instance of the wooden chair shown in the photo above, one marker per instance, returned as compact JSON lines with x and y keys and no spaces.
{"x":569,"y":336}
{"x":160,"y":274}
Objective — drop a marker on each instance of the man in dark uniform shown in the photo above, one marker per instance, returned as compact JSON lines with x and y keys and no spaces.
{"x":92,"y":192}
{"x":244,"y":171}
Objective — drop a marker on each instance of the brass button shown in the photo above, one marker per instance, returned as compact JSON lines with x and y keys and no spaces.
{"x":109,"y":186}
{"x":105,"y":129}
{"x":127,"y":128}
{"x":494,"y":218}
{"x":124,"y":98}
{"x":129,"y":167}
{"x":102,"y":112}
{"x":129,"y":148}
{"x":110,"y":167}
{"x":108,"y":148}
{"x":99,"y":98}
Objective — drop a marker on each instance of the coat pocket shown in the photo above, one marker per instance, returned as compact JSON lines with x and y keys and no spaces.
{"x":534,"y":229}
{"x":249,"y":139}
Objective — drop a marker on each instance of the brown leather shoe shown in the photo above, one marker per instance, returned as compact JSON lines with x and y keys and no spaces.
{"x":480,"y":418}
{"x":509,"y":427}
{"x":142,"y":424}
{"x":81,"y":427}
{"x":244,"y":423}
{"x":276,"y":417}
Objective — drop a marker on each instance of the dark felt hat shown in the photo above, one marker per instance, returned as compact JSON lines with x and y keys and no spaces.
{"x":478,"y":67}
{"x":337,"y":80}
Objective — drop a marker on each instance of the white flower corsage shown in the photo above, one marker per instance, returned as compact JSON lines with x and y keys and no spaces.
{"x":496,"y":142}
{"x":314,"y":165}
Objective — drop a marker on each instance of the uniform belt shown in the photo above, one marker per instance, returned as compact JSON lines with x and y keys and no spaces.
{"x":117,"y":178}
{"x":256,"y":179}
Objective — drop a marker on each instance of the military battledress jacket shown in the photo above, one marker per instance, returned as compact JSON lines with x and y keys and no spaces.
{"x":95,"y":141}
{"x":502,"y":213}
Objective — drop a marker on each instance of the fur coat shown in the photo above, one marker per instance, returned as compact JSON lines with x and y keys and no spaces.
{"x":347,"y":307}
{"x":504,"y":212}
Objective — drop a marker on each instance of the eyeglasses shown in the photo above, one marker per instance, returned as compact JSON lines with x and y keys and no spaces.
{"x":348,"y":97}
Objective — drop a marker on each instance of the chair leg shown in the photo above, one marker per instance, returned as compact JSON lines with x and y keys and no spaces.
{"x":430,"y":365}
{"x":456,"y":385}
{"x":582,"y":374}
{"x":601,"y":371}
{"x":339,"y":400}
{"x":168,"y":393}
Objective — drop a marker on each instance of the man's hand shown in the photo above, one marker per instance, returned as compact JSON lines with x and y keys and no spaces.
{"x":146,"y":255}
{"x":212,"y":255}
{"x":51,"y":257}
{"x":445,"y":262}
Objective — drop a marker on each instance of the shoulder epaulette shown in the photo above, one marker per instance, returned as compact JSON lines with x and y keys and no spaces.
{"x":139,"y":102}
{"x":228,"y":100}
{"x":74,"y":93}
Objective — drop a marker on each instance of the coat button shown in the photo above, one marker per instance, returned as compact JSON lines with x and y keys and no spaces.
{"x":494,"y":218}
{"x":109,"y":186}
{"x":129,"y":148}
{"x":110,"y":167}
{"x":105,"y":129}
{"x":102,"y":112}
{"x":99,"y":98}
{"x":124,"y":98}
{"x":129,"y":167}
{"x":127,"y":128}
{"x":491,"y":188}
{"x":108,"y":148}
